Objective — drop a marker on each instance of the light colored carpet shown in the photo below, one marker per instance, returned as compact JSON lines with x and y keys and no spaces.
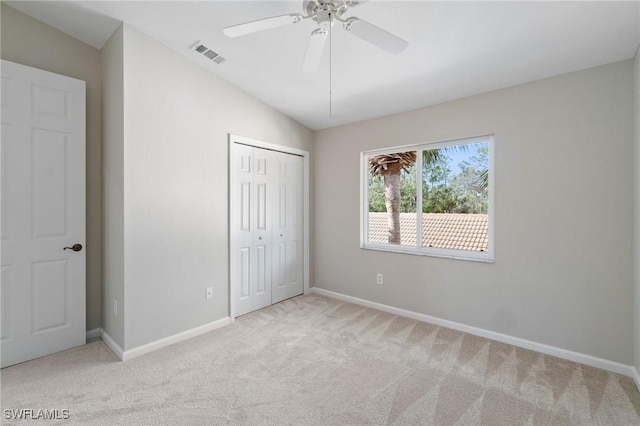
{"x":315,"y":360}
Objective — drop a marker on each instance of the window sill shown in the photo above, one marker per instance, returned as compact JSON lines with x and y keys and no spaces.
{"x":482,"y":257}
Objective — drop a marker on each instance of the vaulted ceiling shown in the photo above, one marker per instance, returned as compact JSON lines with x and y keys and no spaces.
{"x":456,"y":49}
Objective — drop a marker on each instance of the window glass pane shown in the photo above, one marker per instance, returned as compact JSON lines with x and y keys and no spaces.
{"x":392,"y":199}
{"x":455,"y":197}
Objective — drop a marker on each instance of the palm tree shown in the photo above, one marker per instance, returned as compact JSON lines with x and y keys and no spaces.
{"x":389,"y":166}
{"x":483,"y":179}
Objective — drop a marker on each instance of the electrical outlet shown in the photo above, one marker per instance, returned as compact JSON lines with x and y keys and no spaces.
{"x":209,"y":292}
{"x":115,"y":307}
{"x":379,"y":279}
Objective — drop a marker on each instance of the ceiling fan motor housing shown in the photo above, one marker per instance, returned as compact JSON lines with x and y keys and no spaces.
{"x":325,"y":19}
{"x":325,"y":11}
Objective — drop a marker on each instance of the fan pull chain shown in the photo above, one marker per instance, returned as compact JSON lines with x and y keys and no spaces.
{"x":330,"y":65}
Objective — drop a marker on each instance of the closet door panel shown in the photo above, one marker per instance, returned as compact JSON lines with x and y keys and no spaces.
{"x":243,"y":234}
{"x":261,"y":219}
{"x":287,"y":229}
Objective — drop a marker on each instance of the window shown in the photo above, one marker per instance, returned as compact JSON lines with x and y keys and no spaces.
{"x":433,"y":199}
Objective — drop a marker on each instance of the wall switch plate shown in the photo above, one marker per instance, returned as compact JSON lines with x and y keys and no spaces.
{"x":209,"y":292}
{"x":379,"y":279}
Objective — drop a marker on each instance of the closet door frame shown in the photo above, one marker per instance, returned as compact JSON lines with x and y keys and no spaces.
{"x":234,"y":141}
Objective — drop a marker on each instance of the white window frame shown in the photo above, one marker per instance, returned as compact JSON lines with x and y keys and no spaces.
{"x":479,"y":256}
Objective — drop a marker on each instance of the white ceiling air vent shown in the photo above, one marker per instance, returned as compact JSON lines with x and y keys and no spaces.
{"x":208,"y":53}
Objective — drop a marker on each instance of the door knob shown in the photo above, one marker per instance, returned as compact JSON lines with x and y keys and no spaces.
{"x":75,"y":247}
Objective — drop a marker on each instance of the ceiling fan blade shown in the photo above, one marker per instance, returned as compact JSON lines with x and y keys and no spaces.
{"x":375,"y":35}
{"x":353,"y":3}
{"x":262,"y":24}
{"x":315,"y":48}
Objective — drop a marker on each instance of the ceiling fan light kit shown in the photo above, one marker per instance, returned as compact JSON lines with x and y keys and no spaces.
{"x":325,"y":13}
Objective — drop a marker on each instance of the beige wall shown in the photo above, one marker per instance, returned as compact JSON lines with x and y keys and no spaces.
{"x":176,"y":122}
{"x":32,"y":43}
{"x":563,"y":178}
{"x":113,"y":186}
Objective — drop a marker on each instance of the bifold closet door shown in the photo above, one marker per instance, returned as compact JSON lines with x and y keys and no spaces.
{"x":268,"y":213}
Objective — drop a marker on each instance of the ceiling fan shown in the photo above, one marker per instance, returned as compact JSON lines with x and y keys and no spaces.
{"x":325,"y":13}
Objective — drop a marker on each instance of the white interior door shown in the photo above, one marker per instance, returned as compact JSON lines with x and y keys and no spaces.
{"x":43,"y":211}
{"x":287,"y":227}
{"x":266,"y":227}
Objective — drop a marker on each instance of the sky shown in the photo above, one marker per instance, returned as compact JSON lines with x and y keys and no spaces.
{"x":458,"y":156}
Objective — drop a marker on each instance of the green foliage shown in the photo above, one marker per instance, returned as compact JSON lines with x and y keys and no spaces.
{"x":376,"y":194}
{"x":465,"y":190}
{"x":407,"y":192}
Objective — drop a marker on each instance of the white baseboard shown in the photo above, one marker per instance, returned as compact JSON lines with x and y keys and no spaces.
{"x":150,"y":347}
{"x":614,"y":367}
{"x":636,"y":377}
{"x":94,"y":334}
{"x":111,"y":344}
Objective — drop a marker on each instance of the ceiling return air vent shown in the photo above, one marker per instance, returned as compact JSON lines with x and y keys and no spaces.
{"x":208,"y":53}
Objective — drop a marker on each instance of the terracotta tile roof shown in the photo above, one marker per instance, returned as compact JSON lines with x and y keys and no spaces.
{"x":443,"y":230}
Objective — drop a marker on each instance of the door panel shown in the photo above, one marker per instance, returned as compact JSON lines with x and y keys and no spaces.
{"x":252,"y":238}
{"x":261,"y":259}
{"x":291,"y":262}
{"x":261,"y":217}
{"x":48,"y":165}
{"x":245,"y":206}
{"x":280,"y":264}
{"x":288,"y":231}
{"x":245,"y":272}
{"x":261,"y":206}
{"x":49,"y":288}
{"x":5,"y":136}
{"x":243,"y":235}
{"x":47,"y":100}
{"x":282,"y":206}
{"x":43,"y":211}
